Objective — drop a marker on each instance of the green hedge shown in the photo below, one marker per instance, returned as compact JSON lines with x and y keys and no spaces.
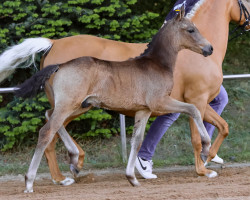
{"x":114,"y":19}
{"x":125,"y":20}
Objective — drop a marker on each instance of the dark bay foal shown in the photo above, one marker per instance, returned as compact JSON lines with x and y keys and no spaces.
{"x":138,"y":87}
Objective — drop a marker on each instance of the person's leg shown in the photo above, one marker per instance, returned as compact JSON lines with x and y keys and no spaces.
{"x":218,"y":104}
{"x":143,"y":161}
{"x":155,"y":133}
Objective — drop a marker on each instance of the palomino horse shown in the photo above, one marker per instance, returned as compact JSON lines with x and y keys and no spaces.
{"x":197,"y":79}
{"x":138,"y":87}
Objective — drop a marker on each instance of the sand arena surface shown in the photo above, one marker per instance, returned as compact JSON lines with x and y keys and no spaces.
{"x":173,"y":183}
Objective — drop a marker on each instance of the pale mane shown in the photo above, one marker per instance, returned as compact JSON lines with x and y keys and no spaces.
{"x":191,"y":12}
{"x":194,"y":9}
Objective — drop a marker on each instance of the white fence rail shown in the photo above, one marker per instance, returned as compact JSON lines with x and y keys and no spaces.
{"x":236,"y":76}
{"x":122,"y":117}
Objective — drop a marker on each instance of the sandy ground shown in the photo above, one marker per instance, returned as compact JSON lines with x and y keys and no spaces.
{"x":232,"y":183}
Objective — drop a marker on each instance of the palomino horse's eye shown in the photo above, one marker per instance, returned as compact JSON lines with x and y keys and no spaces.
{"x":190,"y":30}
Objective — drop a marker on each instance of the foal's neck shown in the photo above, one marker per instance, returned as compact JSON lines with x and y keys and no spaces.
{"x":164,"y":51}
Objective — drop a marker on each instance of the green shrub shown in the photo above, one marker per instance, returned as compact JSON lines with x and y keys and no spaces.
{"x":20,"y":19}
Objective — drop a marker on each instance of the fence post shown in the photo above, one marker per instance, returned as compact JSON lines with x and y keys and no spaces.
{"x":123,"y":138}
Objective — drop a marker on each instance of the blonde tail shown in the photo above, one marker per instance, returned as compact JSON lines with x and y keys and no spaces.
{"x":23,"y":52}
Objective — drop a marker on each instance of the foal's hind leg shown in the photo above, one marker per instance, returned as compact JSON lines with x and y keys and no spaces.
{"x":141,"y":118}
{"x":212,"y":117}
{"x":46,"y":134}
{"x":50,"y":153}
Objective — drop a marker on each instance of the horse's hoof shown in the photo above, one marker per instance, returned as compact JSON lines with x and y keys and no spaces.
{"x":212,"y":174}
{"x":203,"y":157}
{"x":74,"y":170}
{"x":67,"y":181}
{"x":28,"y":191}
{"x":133,"y":181}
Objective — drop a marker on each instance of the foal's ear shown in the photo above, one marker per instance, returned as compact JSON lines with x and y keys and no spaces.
{"x":181,"y":13}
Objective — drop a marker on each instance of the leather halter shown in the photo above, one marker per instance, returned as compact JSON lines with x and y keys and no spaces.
{"x":241,"y":29}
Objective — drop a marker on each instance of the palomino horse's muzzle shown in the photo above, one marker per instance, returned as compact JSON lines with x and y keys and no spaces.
{"x":207,"y":50}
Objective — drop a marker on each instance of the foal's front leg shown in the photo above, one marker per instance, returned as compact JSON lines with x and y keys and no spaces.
{"x":171,"y":105}
{"x":141,"y":118}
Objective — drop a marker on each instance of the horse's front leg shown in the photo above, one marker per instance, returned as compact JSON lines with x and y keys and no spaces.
{"x":141,"y":118}
{"x":199,"y":135}
{"x":212,"y":117}
{"x":199,"y":146}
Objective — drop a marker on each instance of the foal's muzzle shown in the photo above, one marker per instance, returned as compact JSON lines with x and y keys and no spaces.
{"x":207,"y":50}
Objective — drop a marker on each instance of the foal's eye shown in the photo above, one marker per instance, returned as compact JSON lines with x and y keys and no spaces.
{"x":190,"y":30}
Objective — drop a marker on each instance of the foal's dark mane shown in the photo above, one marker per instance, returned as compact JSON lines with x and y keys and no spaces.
{"x":153,"y":42}
{"x":162,"y":49}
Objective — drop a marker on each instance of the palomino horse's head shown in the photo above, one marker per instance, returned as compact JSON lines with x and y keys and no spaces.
{"x":240,"y":13}
{"x":188,"y":36}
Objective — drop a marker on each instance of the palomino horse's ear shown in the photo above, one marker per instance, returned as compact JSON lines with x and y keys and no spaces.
{"x":181,"y":13}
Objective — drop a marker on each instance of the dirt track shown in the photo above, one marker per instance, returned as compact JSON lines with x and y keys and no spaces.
{"x":232,"y":183}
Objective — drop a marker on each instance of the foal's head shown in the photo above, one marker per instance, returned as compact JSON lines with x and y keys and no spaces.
{"x":187,"y":36}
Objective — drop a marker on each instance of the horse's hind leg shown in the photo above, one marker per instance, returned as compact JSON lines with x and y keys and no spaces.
{"x":212,"y":117}
{"x":50,"y":155}
{"x":141,"y":118}
{"x":46,"y":135}
{"x":76,"y":157}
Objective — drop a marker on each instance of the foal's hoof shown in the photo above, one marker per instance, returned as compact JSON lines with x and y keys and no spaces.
{"x":133,"y":181}
{"x":74,"y":170}
{"x":211,"y":174}
{"x":28,"y":191}
{"x":67,"y":181}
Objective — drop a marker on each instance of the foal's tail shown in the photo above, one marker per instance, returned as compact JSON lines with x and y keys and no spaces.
{"x":36,"y":83}
{"x":23,"y":52}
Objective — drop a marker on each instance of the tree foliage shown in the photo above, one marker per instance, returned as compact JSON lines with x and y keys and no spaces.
{"x":125,"y":20}
{"x":114,"y":19}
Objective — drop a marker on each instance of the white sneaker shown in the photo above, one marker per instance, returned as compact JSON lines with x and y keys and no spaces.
{"x":217,"y":159}
{"x":145,"y":167}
